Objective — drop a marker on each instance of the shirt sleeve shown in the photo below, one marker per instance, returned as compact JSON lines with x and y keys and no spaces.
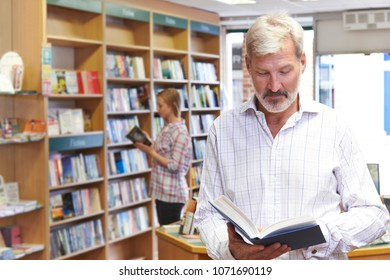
{"x":364,"y":217}
{"x":181,"y":143}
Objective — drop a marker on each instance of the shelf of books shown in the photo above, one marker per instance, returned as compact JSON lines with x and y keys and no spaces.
{"x":205,"y":99}
{"x":76,"y":130}
{"x":130,"y":209}
{"x":93,"y":68}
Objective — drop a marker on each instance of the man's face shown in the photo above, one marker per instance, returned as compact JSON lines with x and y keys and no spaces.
{"x":276,"y":78}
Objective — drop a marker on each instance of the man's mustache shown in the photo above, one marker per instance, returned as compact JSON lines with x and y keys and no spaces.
{"x":270,"y":93}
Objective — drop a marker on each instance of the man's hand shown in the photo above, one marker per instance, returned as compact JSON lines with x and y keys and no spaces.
{"x":244,"y":251}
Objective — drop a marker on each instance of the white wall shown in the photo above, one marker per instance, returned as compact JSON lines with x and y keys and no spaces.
{"x":359,"y":96}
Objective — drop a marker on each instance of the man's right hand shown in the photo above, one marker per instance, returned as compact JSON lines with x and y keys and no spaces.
{"x":244,"y":251}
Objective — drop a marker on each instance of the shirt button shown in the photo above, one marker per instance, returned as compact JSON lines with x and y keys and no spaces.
{"x":314,"y":252}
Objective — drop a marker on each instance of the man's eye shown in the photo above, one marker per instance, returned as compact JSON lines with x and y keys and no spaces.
{"x":284,"y":72}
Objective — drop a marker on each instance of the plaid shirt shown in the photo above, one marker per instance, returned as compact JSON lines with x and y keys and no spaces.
{"x":311,"y":167}
{"x":169,"y":184}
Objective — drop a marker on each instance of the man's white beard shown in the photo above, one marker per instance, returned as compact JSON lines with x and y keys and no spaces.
{"x":278,"y":107}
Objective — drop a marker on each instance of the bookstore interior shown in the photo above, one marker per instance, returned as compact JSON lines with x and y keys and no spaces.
{"x":77,"y":76}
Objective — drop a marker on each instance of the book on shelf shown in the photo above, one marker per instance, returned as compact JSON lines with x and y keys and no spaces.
{"x":90,"y":81}
{"x":71,"y":121}
{"x":59,"y":82}
{"x":28,"y":248}
{"x":11,"y":235}
{"x":53,"y":127}
{"x":296,"y":232}
{"x":6,"y":253}
{"x":9,"y":191}
{"x":25,"y":205}
{"x":71,"y":82}
{"x":136,"y":134}
{"x":35,"y":129}
{"x":187,"y":223}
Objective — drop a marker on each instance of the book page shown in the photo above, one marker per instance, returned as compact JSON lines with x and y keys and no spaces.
{"x":235,"y":215}
{"x":287,"y":225}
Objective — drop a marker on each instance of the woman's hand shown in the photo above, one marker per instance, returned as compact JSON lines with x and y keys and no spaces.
{"x":145,"y":148}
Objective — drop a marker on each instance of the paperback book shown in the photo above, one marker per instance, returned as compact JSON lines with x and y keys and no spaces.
{"x":135,"y":134}
{"x":297,"y":232}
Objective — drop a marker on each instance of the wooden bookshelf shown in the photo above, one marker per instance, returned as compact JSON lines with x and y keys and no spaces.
{"x":25,"y":162}
{"x":81,"y":34}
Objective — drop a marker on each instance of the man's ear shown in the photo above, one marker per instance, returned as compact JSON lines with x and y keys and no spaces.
{"x":303,"y":62}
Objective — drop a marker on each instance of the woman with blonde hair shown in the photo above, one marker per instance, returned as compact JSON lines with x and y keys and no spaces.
{"x":171,"y":155}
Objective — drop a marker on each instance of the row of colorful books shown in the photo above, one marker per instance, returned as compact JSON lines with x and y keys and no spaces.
{"x":126,"y":192}
{"x":201,"y":123}
{"x":204,"y":96}
{"x":199,"y":147}
{"x":125,"y":66}
{"x":117,"y":128}
{"x":168,"y":69}
{"x":76,"y":238}
{"x":127,"y":161}
{"x":75,"y":82}
{"x":62,"y":121}
{"x":204,"y":71}
{"x":196,"y":175}
{"x":73,"y":204}
{"x":76,"y":168}
{"x":128,"y":222}
{"x":127,"y":99}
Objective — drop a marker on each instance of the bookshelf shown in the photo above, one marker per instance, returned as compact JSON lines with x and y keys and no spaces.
{"x":205,"y":99}
{"x":102,"y":37}
{"x":19,"y":160}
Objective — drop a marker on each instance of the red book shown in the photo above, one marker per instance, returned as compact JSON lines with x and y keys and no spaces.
{"x":11,"y":235}
{"x":80,"y":82}
{"x":91,"y":82}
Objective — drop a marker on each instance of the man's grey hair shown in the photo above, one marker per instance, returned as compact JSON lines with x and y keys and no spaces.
{"x":268,"y":34}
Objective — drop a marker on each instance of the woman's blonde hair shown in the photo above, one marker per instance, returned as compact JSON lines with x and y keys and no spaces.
{"x":172,"y":98}
{"x":269,"y":33}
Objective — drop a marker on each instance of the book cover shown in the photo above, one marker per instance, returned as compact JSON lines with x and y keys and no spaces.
{"x":296,"y":232}
{"x":71,"y":82}
{"x":65,"y":120}
{"x":135,"y":134}
{"x":61,"y":82}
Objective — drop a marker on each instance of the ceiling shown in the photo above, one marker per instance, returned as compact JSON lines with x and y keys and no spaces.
{"x":294,"y":7}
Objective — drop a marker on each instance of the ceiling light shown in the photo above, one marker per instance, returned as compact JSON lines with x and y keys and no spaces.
{"x":237,"y":2}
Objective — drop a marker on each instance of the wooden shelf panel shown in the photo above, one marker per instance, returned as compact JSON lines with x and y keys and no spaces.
{"x":74,"y":23}
{"x":72,"y":220}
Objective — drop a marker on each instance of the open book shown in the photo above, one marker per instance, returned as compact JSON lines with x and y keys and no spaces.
{"x":135,"y":134}
{"x":296,"y":232}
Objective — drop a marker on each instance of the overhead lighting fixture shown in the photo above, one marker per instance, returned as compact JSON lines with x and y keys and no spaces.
{"x":237,"y":2}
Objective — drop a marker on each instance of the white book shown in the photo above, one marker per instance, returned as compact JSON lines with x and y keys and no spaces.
{"x":78,"y":121}
{"x":296,"y":232}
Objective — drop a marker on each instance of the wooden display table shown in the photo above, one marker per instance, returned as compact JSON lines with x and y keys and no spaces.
{"x":171,"y":247}
{"x":371,"y":252}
